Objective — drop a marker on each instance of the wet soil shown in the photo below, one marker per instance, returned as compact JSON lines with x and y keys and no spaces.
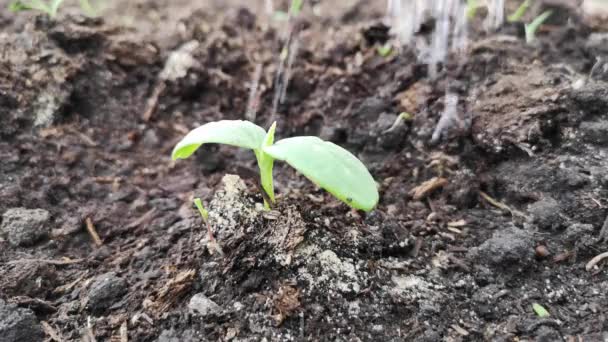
{"x":100,"y":241}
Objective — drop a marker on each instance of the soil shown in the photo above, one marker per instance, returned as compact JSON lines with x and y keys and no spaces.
{"x":100,"y":241}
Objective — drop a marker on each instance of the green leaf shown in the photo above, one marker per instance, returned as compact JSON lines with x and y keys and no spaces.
{"x":201,"y":209}
{"x":472,"y":6}
{"x":38,"y":5}
{"x":296,"y":7}
{"x":519,"y":12}
{"x":280,"y":16}
{"x":54,"y":7}
{"x":385,"y":50}
{"x":540,"y":310}
{"x":405,"y":116}
{"x":331,"y":167}
{"x":88,"y":9}
{"x":532,"y":27}
{"x":230,"y":132}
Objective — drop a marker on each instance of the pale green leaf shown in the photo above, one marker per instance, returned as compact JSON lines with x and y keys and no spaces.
{"x":472,"y":6}
{"x":230,"y":132}
{"x":519,"y":13}
{"x":54,"y":7}
{"x":540,"y":310}
{"x":201,"y":209}
{"x":385,"y":50}
{"x":532,"y":27}
{"x":37,"y":5}
{"x":296,"y":7}
{"x":331,"y":167}
{"x":88,"y":9}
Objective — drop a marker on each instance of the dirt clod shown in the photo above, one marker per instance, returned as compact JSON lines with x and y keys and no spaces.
{"x":18,"y":324}
{"x":25,"y":227}
{"x":105,"y":290}
{"x":546,"y":213}
{"x":508,"y":247}
{"x":90,"y":110}
{"x":202,"y":305}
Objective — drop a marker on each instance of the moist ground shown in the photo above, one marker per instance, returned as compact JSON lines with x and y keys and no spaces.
{"x":505,"y":210}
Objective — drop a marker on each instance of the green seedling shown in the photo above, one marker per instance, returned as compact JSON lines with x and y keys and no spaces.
{"x":519,"y":12}
{"x":88,"y":9}
{"x":540,"y":310}
{"x":296,"y":7}
{"x":385,"y":50}
{"x":328,"y":165}
{"x":201,"y":209}
{"x":532,"y":27}
{"x":212,"y":244}
{"x":49,"y":8}
{"x":472,"y":6}
{"x":280,"y":16}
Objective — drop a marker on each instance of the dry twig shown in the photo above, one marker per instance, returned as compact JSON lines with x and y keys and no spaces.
{"x":124,"y":333}
{"x":501,"y":205}
{"x":424,"y":189}
{"x":65,"y":261}
{"x":51,"y":332}
{"x":596,"y":260}
{"x":93,"y":232}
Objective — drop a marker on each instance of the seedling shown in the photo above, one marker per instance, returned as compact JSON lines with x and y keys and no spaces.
{"x":472,"y":6}
{"x":50,"y":8}
{"x":385,"y":50}
{"x":532,"y":27}
{"x":212,"y":244}
{"x":296,"y":7}
{"x":328,"y":165}
{"x":520,"y":11}
{"x":201,"y":209}
{"x":540,"y":310}
{"x":294,"y":10}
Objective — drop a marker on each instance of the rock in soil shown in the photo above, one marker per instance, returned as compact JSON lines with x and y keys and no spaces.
{"x":30,"y":279}
{"x":18,"y":324}
{"x":595,"y":132}
{"x":202,"y":305}
{"x":511,"y":246}
{"x":106,"y":290}
{"x":24,"y":227}
{"x":172,"y":335}
{"x":546,"y":213}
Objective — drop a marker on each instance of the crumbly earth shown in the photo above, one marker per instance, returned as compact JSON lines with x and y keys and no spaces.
{"x":89,"y":112}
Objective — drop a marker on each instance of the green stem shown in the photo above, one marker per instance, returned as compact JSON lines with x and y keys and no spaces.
{"x":265,"y":164}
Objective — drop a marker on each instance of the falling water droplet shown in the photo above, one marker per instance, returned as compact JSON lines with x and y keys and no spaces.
{"x":254,"y":97}
{"x":496,"y":14}
{"x":449,"y":118}
{"x":460,"y":33}
{"x":293,"y":52}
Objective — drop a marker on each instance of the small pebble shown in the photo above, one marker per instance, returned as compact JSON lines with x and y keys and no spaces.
{"x":542,"y":252}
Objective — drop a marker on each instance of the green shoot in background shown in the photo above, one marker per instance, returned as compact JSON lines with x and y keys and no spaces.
{"x":201,"y":209}
{"x":472,"y":6}
{"x":296,"y":7}
{"x":50,"y":7}
{"x":385,"y":50}
{"x":540,"y":310}
{"x":326,"y":164}
{"x":532,"y":27}
{"x":519,"y":12}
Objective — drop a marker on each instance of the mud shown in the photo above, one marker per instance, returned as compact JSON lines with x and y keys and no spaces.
{"x":504,"y":210}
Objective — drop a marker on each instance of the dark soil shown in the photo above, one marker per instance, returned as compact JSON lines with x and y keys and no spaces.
{"x":518,"y":206}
